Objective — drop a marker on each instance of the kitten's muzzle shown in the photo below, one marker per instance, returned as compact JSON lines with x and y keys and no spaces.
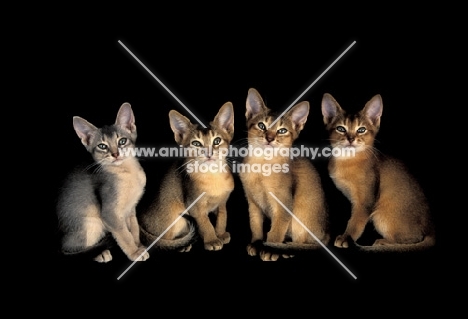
{"x":270,"y":137}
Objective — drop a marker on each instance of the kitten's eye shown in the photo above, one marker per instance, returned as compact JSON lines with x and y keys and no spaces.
{"x":196,"y":143}
{"x":262,"y":126}
{"x":361,"y":130}
{"x":102,"y":146}
{"x":341,"y":129}
{"x":282,"y":131}
{"x":217,"y":141}
{"x":123,"y":141}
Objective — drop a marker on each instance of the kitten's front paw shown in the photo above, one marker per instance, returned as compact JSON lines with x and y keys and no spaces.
{"x":268,"y":256}
{"x":214,"y":245}
{"x":341,"y":241}
{"x":185,"y":249}
{"x":225,"y":238}
{"x":251,"y":250}
{"x":139,"y":255}
{"x":103,"y":257}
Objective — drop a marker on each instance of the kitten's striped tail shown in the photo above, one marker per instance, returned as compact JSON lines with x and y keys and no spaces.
{"x":291,"y":246}
{"x":180,"y":243}
{"x":427,"y":242}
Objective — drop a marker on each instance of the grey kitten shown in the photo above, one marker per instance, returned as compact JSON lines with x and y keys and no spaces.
{"x":100,"y":200}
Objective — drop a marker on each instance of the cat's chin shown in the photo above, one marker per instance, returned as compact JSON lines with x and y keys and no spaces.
{"x":117,"y":162}
{"x":212,"y":160}
{"x":347,"y":151}
{"x":270,"y":146}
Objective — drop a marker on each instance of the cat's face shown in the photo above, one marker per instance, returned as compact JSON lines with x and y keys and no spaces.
{"x":356,"y":131}
{"x":204,"y":145}
{"x":207,"y":145}
{"x":264,"y":132}
{"x":261,"y":134}
{"x":107,"y":144}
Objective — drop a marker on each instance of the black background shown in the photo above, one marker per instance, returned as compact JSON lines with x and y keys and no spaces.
{"x":207,"y":61}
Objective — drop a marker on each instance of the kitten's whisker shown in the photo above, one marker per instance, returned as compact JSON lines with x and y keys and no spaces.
{"x":230,"y":162}
{"x":181,"y":168}
{"x":372,"y":150}
{"x":90,"y":166}
{"x":99,"y":168}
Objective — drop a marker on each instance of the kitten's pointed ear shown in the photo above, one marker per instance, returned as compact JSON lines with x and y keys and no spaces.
{"x":373,"y":109}
{"x":330,"y":108}
{"x":84,"y":130}
{"x":298,"y":115}
{"x":125,"y":118}
{"x":254,"y":104}
{"x":180,"y":125}
{"x":225,"y":118}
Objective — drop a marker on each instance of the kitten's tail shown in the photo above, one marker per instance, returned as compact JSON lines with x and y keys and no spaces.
{"x":292,"y":247}
{"x":427,"y":242}
{"x":152,"y":240}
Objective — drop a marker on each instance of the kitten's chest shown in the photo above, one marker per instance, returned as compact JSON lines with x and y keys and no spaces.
{"x":214,"y":184}
{"x":129,"y":182}
{"x":351,"y":175}
{"x":264,"y":175}
{"x":132,"y":182}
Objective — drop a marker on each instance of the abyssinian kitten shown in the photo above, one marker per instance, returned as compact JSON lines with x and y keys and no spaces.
{"x":100,"y":200}
{"x":187,"y":180}
{"x":379,"y":187}
{"x":297,"y":184}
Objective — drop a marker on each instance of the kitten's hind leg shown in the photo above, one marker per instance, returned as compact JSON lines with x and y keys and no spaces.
{"x":393,"y":232}
{"x":90,"y":232}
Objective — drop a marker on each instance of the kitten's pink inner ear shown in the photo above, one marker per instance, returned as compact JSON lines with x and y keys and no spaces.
{"x":373,"y":109}
{"x":83,"y":129}
{"x":299,"y":114}
{"x":179,"y":125}
{"x":225,"y":117}
{"x":126,"y":118}
{"x":329,"y":108}
{"x":254,"y":104}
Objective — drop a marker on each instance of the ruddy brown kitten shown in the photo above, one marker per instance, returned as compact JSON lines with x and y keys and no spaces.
{"x":379,"y":187}
{"x":295,"y":183}
{"x":100,"y":199}
{"x":203,"y":170}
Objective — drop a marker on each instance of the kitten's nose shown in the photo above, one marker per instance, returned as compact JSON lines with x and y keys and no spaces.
{"x":114,"y":154}
{"x":209,"y":152}
{"x":270,"y":137}
{"x":351,"y":139}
